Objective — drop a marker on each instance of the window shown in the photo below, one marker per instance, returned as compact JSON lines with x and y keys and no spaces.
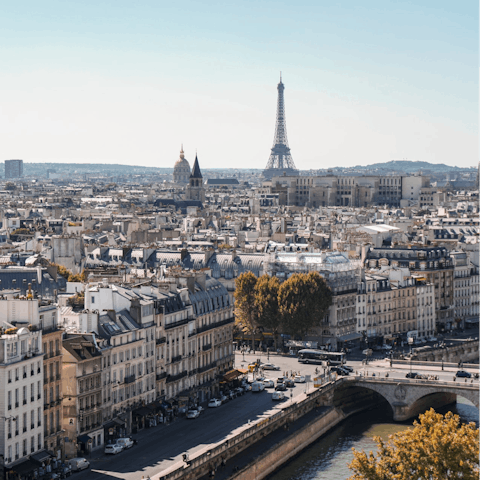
{"x":93,"y":299}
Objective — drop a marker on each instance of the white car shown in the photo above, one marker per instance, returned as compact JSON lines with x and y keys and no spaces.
{"x":124,"y":442}
{"x":193,"y":414}
{"x":299,"y":379}
{"x":269,"y":366}
{"x":113,"y":449}
{"x":278,"y":396}
{"x":213,"y":403}
{"x":269,"y":384}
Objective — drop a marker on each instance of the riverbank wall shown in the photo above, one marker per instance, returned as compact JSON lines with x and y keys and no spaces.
{"x":270,"y":461}
{"x":211,"y":458}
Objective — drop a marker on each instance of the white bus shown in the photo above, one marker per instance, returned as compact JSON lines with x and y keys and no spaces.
{"x":319,"y":356}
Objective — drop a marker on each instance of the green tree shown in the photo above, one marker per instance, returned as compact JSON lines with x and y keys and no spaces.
{"x":437,"y":447}
{"x":266,"y":300}
{"x":246,"y":314}
{"x":303,"y":299}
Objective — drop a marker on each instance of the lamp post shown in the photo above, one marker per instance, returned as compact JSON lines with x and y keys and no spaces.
{"x":443,"y":359}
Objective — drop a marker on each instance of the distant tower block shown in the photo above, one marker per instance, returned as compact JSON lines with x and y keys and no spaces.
{"x":280,"y":161}
{"x":13,"y":168}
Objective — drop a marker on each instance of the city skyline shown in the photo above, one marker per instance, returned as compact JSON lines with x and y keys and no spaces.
{"x":110,"y":83}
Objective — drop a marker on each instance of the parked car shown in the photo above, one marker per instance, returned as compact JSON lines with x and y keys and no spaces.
{"x":214,"y":402}
{"x":258,"y":387}
{"x":270,"y":366}
{"x":124,"y":442}
{"x":411,"y":375}
{"x":223,"y":398}
{"x":348,"y":368}
{"x":268,"y":384}
{"x":79,"y":463}
{"x":289,"y":383}
{"x":386,"y":347}
{"x":192,"y":414}
{"x":280,"y":380}
{"x":299,"y":379}
{"x":113,"y":449}
{"x":239,"y":391}
{"x":463,"y":373}
{"x":278,"y":396}
{"x":280,"y":387}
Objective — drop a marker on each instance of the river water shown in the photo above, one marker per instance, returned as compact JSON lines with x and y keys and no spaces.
{"x":327,"y":458}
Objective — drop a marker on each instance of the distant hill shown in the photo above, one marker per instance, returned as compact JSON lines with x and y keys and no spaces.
{"x":409,"y":166}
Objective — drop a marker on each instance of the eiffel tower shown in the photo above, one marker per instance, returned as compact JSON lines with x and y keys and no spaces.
{"x":280,"y":161}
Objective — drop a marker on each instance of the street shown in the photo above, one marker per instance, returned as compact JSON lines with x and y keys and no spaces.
{"x":161,"y":447}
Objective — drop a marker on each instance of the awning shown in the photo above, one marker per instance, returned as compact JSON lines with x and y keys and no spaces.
{"x":243,"y":371}
{"x":350,"y":336}
{"x":25,"y":467}
{"x":142,"y":411}
{"x":114,"y":423}
{"x":41,"y":456}
{"x":472,"y":320}
{"x":231,"y":375}
{"x":83,"y":438}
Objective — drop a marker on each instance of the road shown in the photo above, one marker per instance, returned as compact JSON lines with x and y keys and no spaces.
{"x":161,"y":447}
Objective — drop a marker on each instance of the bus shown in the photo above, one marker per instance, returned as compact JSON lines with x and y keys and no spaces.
{"x":319,"y":356}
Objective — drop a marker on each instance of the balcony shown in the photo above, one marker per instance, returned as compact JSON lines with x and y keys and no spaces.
{"x":174,"y":378}
{"x":130,"y":379}
{"x":204,"y":328}
{"x":177,"y":358}
{"x":207,"y":347}
{"x":160,"y":340}
{"x":161,"y":376}
{"x":178,"y":323}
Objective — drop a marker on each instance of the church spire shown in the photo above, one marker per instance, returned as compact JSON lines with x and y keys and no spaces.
{"x":196,"y":173}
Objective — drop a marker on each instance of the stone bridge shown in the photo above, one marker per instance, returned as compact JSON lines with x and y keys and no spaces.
{"x":408,"y":398}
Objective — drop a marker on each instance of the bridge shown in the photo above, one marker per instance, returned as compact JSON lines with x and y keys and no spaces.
{"x":408,"y":397}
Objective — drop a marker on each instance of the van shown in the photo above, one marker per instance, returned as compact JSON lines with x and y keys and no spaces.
{"x":78,"y":464}
{"x":124,"y":442}
{"x":258,"y":386}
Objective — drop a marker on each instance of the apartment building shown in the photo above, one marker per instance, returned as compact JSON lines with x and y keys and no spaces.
{"x":175,"y":341}
{"x":42,"y":315}
{"x":21,"y":406}
{"x":128,"y":367}
{"x":462,"y":288}
{"x":210,"y":342}
{"x":433,"y":265}
{"x":425,"y":301}
{"x":82,"y":394}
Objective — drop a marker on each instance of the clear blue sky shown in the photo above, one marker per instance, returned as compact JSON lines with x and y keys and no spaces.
{"x":129,"y":82}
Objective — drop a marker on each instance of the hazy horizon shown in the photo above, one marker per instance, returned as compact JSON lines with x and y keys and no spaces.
{"x":112,"y":82}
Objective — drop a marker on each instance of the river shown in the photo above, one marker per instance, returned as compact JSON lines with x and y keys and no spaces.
{"x":327,"y":458}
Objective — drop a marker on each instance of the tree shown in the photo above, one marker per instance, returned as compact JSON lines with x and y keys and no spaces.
{"x":266,"y":300}
{"x":246,"y":314}
{"x":303,"y":299}
{"x":437,"y":447}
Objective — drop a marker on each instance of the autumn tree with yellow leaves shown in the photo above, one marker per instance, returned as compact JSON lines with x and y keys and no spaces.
{"x":438,"y":447}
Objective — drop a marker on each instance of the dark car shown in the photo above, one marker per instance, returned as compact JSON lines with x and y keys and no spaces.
{"x":281,"y":387}
{"x":289,"y":383}
{"x":339,"y":370}
{"x":347,"y":368}
{"x":411,"y":375}
{"x":463,"y":373}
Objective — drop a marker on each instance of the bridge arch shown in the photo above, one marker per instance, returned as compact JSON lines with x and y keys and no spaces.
{"x":408,"y":398}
